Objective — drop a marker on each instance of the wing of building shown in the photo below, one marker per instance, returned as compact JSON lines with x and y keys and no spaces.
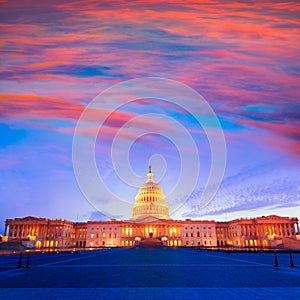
{"x":151,"y":225}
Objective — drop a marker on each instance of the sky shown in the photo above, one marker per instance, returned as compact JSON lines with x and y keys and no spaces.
{"x":59,"y":56}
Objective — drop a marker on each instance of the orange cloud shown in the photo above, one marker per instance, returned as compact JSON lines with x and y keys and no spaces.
{"x":40,"y":106}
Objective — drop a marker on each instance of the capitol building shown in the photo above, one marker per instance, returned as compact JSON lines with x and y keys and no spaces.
{"x":152,"y":225}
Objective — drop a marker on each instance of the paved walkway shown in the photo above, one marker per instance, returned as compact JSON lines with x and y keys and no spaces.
{"x":150,"y":274}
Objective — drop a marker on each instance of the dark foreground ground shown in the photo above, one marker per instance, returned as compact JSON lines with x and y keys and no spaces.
{"x":150,"y":274}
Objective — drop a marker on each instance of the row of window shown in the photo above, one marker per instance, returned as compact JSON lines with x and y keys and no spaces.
{"x":201,"y":227}
{"x":171,"y":243}
{"x":98,"y":228}
{"x":103,"y":235}
{"x":14,"y":227}
{"x":198,"y":243}
{"x":186,"y":228}
{"x":287,"y":226}
{"x":198,"y":234}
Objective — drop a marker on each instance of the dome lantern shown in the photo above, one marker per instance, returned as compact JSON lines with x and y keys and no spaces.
{"x":150,"y":175}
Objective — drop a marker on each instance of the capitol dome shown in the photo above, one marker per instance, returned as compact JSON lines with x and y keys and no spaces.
{"x":150,"y":201}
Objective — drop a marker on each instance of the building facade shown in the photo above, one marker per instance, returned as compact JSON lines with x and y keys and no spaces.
{"x":151,"y":222}
{"x":263,"y":231}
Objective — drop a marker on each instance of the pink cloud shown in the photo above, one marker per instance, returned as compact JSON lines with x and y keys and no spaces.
{"x":14,"y":105}
{"x":283,"y":136}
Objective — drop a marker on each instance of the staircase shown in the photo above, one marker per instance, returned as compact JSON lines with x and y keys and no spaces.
{"x":151,"y":242}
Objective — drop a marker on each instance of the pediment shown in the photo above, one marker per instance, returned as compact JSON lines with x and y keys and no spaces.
{"x":30,"y":219}
{"x":148,"y":219}
{"x":271,"y":217}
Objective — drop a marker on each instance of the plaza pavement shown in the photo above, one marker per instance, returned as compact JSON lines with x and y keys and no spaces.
{"x":158,"y":273}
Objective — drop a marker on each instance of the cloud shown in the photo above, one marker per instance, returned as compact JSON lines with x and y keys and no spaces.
{"x":282,"y":128}
{"x":40,"y":106}
{"x":47,"y":107}
{"x":259,"y":187}
{"x":98,"y":216}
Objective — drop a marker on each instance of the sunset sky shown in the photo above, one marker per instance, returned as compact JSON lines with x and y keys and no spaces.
{"x":57,"y":56}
